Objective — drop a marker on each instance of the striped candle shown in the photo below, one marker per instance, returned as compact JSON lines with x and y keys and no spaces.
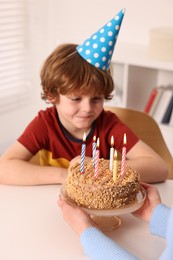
{"x":111,"y":160}
{"x":123,"y":160}
{"x":83,"y":149}
{"x":96,"y":166}
{"x":94,"y":150}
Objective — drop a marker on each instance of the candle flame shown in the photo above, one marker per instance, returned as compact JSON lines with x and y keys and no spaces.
{"x":115,"y":155}
{"x":94,"y":138}
{"x":112,"y":141}
{"x":98,"y":143}
{"x":125,"y":139}
{"x":84,"y":137}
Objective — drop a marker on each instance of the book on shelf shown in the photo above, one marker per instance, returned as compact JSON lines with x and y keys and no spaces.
{"x":167,"y":116}
{"x":153,"y":100}
{"x":156,"y":100}
{"x":163,"y":105}
{"x":171,"y":120}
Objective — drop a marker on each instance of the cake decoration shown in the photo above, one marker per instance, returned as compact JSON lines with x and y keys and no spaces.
{"x":83,"y":149}
{"x":115,"y":166}
{"x":97,"y":157}
{"x":94,"y":150}
{"x":111,"y":162}
{"x":123,"y":161}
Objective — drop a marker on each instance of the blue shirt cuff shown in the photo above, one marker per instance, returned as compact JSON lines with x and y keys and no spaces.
{"x":159,"y":220}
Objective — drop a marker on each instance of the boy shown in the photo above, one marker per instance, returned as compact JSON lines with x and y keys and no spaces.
{"x":76,"y":81}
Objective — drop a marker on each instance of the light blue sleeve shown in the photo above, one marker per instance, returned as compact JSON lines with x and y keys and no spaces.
{"x":159,"y":220}
{"x":100,"y":247}
{"x":168,"y":252}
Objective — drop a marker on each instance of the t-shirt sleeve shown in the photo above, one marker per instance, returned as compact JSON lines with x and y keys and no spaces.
{"x":34,"y":137}
{"x":98,"y":246}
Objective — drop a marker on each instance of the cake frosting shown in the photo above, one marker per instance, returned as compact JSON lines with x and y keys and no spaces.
{"x":101,"y":192}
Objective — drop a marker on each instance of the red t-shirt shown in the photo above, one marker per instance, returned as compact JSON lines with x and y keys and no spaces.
{"x":46,"y":134}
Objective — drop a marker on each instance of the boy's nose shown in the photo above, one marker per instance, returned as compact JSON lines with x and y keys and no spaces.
{"x":86,"y":106}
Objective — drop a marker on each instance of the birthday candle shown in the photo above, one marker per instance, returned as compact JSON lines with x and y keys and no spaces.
{"x":111,"y":154}
{"x":83,"y":149}
{"x":93,"y":150}
{"x":115,"y":166}
{"x":97,"y":159}
{"x":123,"y":161}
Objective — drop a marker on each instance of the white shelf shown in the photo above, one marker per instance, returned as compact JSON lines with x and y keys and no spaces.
{"x":137,"y":55}
{"x":135,"y":74}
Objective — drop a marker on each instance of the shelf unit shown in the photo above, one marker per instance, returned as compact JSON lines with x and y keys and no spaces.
{"x":135,"y":74}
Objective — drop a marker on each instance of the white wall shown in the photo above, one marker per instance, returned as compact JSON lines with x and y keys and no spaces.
{"x":75,"y":20}
{"x":56,"y":21}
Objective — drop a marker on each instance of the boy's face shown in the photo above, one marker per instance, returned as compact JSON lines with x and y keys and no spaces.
{"x":77,"y":112}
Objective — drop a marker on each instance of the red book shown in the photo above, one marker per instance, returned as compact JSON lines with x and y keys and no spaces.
{"x":151,"y":99}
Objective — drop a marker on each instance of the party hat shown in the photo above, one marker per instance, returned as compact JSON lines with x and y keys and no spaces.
{"x":98,"y":49}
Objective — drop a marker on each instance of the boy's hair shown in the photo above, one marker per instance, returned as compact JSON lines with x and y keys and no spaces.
{"x":66,"y":72}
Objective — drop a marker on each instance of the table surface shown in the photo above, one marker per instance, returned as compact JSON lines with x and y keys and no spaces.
{"x":32,"y":227}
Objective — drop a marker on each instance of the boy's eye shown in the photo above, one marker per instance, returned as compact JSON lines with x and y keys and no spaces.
{"x":78,"y":98}
{"x":75,"y":98}
{"x":95,"y":99}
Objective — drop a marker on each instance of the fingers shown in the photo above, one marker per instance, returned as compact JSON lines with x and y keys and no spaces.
{"x":64,"y":204}
{"x":146,"y":185}
{"x":61,"y":202}
{"x":150,"y":189}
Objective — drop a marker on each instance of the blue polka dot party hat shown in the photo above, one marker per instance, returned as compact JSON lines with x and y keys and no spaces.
{"x":98,"y":49}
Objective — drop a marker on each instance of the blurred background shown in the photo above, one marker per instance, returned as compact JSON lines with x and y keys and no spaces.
{"x":31,"y":29}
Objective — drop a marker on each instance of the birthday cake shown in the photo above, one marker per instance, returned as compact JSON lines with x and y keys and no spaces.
{"x":102,"y":191}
